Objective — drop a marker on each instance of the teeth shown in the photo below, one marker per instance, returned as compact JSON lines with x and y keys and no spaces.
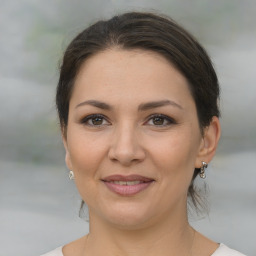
{"x":126,"y":183}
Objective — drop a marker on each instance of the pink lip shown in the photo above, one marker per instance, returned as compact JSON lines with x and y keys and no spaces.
{"x":127,"y":190}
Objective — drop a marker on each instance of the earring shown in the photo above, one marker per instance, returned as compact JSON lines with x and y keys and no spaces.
{"x":71,"y":175}
{"x":202,"y":170}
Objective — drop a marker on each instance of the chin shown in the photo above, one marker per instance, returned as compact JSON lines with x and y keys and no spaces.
{"x":129,"y":222}
{"x":129,"y":217}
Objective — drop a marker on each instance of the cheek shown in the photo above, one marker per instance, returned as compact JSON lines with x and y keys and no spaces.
{"x":85,"y":155}
{"x":85,"y":151}
{"x":176,"y":154}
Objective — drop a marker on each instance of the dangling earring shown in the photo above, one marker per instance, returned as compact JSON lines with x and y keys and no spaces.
{"x":71,"y":175}
{"x":202,"y":170}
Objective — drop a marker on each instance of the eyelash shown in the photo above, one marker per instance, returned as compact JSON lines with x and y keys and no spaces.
{"x":168,"y":120}
{"x":86,"y":120}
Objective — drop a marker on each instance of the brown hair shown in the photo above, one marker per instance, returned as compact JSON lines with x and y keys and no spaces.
{"x":146,"y":31}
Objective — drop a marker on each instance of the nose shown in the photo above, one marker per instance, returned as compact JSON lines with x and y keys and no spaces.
{"x":125,"y":146}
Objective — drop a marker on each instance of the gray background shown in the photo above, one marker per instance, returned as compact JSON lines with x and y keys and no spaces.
{"x":38,"y":204}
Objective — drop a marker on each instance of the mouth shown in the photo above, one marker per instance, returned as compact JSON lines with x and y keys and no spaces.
{"x":127,"y":185}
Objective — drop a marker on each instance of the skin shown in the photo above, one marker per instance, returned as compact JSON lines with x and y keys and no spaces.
{"x":126,"y":140}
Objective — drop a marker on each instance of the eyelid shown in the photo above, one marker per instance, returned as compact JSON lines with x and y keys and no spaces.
{"x":170,"y":120}
{"x":85,"y":119}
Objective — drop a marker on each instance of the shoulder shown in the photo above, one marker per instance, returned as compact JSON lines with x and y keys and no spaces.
{"x":223,"y":250}
{"x":56,"y":252}
{"x":72,"y":248}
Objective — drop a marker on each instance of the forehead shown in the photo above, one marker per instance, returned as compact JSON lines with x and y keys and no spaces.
{"x":129,"y":74}
{"x":116,"y":59}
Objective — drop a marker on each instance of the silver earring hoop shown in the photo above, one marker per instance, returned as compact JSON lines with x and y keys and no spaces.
{"x":71,"y":175}
{"x":202,"y":170}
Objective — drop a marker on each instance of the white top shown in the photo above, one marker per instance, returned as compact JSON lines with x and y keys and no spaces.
{"x":222,"y":250}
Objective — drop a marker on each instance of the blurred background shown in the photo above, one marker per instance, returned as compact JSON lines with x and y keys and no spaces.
{"x":38,"y":204}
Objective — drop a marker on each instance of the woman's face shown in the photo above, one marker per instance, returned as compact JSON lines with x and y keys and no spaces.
{"x":133,"y":138}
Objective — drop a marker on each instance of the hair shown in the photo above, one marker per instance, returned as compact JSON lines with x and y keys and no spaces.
{"x":150,"y":32}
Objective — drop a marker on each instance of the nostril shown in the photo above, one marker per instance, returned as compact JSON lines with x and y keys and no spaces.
{"x":125,"y":147}
{"x":126,"y":156}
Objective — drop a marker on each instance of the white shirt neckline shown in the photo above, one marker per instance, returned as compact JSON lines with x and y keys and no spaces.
{"x":222,"y":250}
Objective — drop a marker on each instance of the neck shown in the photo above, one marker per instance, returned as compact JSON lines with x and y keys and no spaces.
{"x":170,"y":238}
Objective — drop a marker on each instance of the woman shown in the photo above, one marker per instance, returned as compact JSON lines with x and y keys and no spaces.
{"x":138,"y":105}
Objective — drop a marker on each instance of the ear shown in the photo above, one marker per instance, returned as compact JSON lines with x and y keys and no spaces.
{"x":209,"y":142}
{"x":67,"y":156}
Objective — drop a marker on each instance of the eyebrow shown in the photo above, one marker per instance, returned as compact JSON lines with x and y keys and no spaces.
{"x":95,"y":103}
{"x":142,"y":107}
{"x":157,"y":104}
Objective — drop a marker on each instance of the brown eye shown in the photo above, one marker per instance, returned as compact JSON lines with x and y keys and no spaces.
{"x":95,"y":120}
{"x":160,"y":120}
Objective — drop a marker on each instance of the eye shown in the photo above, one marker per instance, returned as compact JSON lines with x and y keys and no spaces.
{"x":160,"y":120}
{"x":95,"y":120}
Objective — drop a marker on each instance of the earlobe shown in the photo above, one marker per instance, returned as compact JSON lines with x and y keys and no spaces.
{"x":209,"y":142}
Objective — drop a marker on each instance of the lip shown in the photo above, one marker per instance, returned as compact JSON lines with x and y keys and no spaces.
{"x":127,"y":189}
